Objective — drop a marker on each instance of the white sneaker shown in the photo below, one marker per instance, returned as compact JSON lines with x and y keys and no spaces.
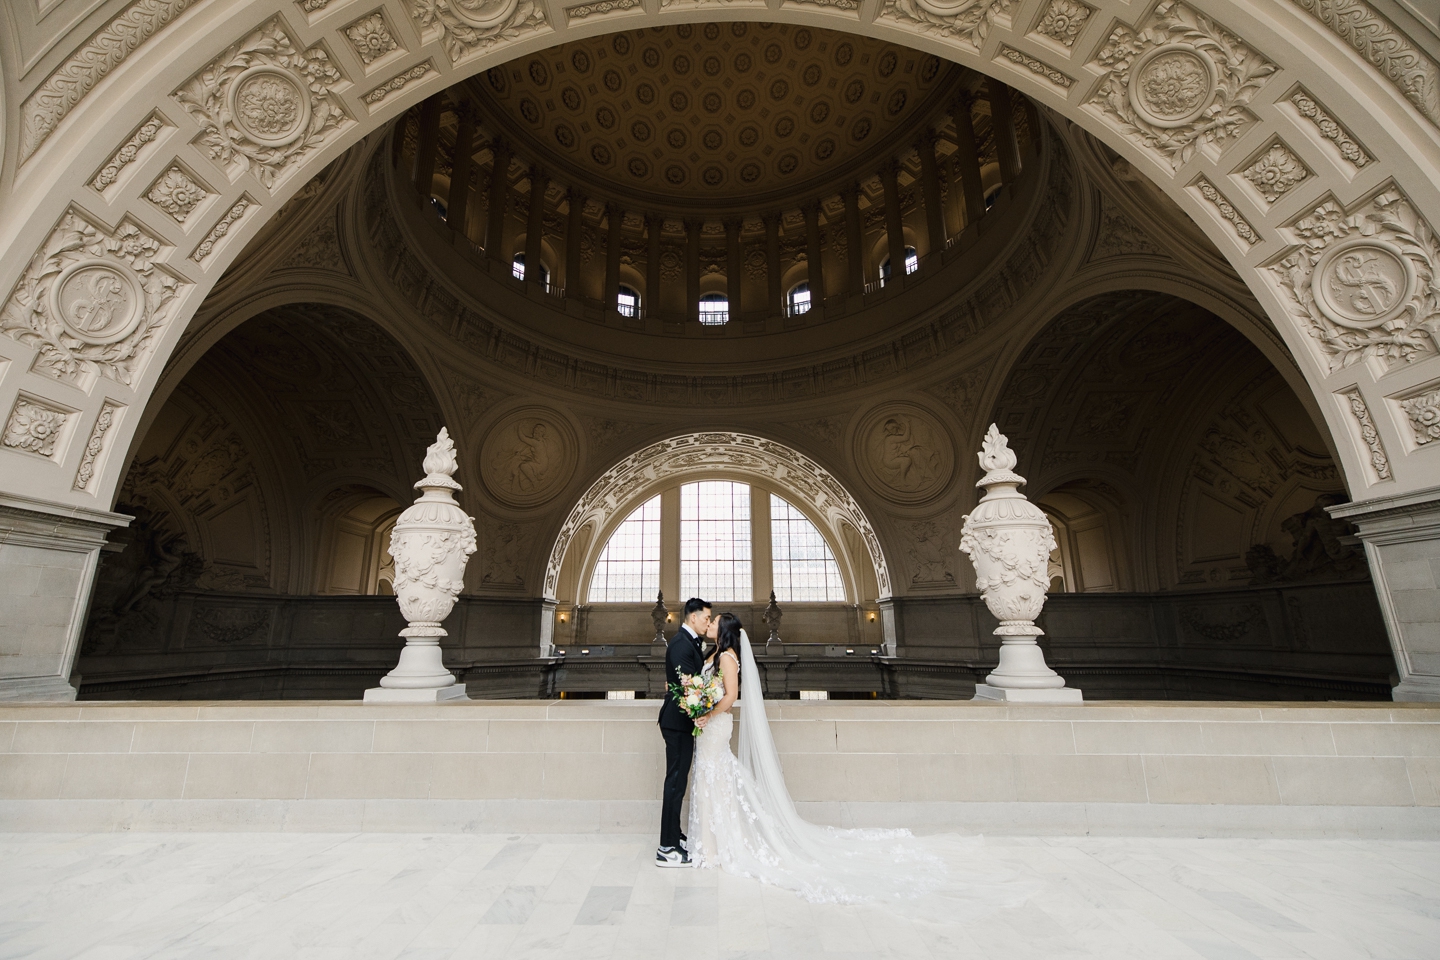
{"x":671,"y":857}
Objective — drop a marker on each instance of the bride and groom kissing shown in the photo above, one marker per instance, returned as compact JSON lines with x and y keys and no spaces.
{"x":743,"y":821}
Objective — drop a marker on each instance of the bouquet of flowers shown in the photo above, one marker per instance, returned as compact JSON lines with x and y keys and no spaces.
{"x":696,"y":695}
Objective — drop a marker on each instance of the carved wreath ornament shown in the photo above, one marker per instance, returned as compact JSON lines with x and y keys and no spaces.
{"x":469,"y":25}
{"x":1179,"y":82}
{"x":90,"y":300}
{"x":968,"y":19}
{"x":262,"y":104}
{"x":1364,"y":283}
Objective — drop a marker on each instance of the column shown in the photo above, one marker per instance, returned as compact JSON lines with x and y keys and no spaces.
{"x":762,"y":568}
{"x":1002,"y":125}
{"x":967,"y":159}
{"x":692,"y":268}
{"x":954,"y":204}
{"x":670,"y":555}
{"x":1402,"y":543}
{"x":854,"y":238}
{"x":894,"y":226}
{"x":930,"y":190}
{"x":535,"y":229}
{"x":654,"y":223}
{"x":499,"y":193}
{"x":772,"y":264}
{"x":814,"y":255}
{"x":427,"y":142}
{"x":462,"y":167}
{"x":616,"y":218}
{"x":574,"y":227}
{"x":734,"y":267}
{"x":1032,"y":121}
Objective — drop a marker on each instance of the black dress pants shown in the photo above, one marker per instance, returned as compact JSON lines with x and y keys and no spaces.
{"x":679,"y":752}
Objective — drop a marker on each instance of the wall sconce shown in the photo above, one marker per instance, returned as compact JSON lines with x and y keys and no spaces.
{"x":872,"y":616}
{"x":849,"y":653}
{"x":584,"y":651}
{"x":669,"y":617}
{"x":562,"y":618}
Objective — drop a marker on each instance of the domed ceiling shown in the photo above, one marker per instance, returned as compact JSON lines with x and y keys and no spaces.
{"x":713,"y":113}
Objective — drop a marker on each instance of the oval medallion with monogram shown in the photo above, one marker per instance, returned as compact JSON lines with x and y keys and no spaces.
{"x":270,"y":105}
{"x":904,"y":454}
{"x":528,"y":456}
{"x":98,"y":301}
{"x":1362,"y":283}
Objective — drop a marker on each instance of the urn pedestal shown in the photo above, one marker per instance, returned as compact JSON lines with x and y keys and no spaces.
{"x":1009,"y":541}
{"x":431,"y":542}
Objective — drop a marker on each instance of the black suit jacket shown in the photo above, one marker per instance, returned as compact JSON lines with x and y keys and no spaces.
{"x":682,"y":655}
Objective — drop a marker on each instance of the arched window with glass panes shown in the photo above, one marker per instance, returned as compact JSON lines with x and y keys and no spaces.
{"x":732,"y":544}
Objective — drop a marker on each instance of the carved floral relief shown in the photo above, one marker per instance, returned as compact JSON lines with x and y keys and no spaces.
{"x":1423,"y":413}
{"x":34,"y":426}
{"x":969,"y":20}
{"x":470,"y":25}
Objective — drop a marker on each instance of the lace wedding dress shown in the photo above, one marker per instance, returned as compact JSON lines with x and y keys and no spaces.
{"x":743,"y":821}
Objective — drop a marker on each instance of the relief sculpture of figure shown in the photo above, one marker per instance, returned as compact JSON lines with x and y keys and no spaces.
{"x":908,"y":463}
{"x":529,"y":464}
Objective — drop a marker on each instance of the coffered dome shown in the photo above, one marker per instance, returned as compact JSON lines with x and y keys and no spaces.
{"x":705,"y":114}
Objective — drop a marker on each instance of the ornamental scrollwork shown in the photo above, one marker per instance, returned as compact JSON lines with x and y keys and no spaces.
{"x":1363,"y":282}
{"x":262,"y":105}
{"x":1179,"y":83}
{"x":470,"y":25}
{"x":968,"y":20}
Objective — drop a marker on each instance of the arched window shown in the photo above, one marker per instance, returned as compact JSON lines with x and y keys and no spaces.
{"x":627,"y":301}
{"x":912,"y":263}
{"x":715,"y":541}
{"x":797,"y":301}
{"x":714,"y":309}
{"x":517,"y":270}
{"x":804,"y":569}
{"x":628,"y":570}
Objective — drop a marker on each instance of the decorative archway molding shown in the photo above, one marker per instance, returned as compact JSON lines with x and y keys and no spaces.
{"x":740,"y":455}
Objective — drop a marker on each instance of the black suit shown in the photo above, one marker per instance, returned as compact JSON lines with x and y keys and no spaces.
{"x":681,"y":656}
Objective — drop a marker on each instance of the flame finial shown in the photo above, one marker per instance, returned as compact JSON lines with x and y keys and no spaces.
{"x":440,"y":463}
{"x":999,"y":462}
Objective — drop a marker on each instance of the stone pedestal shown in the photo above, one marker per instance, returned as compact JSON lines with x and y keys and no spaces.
{"x":48,"y":556}
{"x":455,"y":691}
{"x":1402,"y":542}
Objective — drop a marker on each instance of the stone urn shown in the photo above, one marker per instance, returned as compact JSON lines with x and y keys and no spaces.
{"x":1009,"y":540}
{"x":431,"y":542}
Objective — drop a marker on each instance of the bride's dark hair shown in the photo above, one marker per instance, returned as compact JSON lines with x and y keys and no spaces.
{"x":728,"y":636}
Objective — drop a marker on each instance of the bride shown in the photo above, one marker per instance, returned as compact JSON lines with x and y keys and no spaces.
{"x":743,"y":821}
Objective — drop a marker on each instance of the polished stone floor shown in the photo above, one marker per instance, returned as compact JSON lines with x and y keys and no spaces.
{"x":427,"y":897}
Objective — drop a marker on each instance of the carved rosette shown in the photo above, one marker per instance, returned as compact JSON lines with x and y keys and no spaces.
{"x":970,"y":20}
{"x":431,"y":543}
{"x":1009,"y":541}
{"x":262,"y":104}
{"x":90,"y":301}
{"x":1179,"y":82}
{"x":467,"y":26}
{"x":1363,"y":282}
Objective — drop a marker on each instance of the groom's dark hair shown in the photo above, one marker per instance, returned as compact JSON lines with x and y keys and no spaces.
{"x":695,"y":604}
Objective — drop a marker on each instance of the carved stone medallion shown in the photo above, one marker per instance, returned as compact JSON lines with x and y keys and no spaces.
{"x":269,"y":105}
{"x":528,"y":457}
{"x":484,"y":14}
{"x":98,"y":301}
{"x":1362,"y":283}
{"x":904,"y":453}
{"x":1172,"y":85}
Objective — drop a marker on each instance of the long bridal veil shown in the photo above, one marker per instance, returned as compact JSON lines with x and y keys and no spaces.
{"x":944,"y":879}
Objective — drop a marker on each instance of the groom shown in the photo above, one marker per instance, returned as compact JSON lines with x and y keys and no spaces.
{"x":683,"y":655}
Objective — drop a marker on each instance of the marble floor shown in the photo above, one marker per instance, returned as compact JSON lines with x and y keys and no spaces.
{"x":417,"y":897}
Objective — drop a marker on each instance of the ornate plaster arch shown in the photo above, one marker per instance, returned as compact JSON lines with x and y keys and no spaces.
{"x":736,"y":453}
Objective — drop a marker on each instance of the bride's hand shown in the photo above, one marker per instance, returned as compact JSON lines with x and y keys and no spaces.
{"x":701,"y":721}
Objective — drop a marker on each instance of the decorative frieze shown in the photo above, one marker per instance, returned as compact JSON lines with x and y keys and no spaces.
{"x":1423,"y":412}
{"x":126,"y":155}
{"x":95,"y":444}
{"x":177,"y":193}
{"x":1387,"y":49}
{"x":236,"y":211}
{"x":1227,"y":211}
{"x":262,"y":105}
{"x":397,"y":83}
{"x":371,"y":38}
{"x":34,"y":426}
{"x":90,"y":300}
{"x":467,"y":27}
{"x":104,"y":51}
{"x":1063,"y":21}
{"x":1179,"y":82}
{"x":1038,"y":67}
{"x":599,"y":9}
{"x":1330,"y":129}
{"x":967,"y":20}
{"x":1378,"y":461}
{"x":1362,"y":281}
{"x":1275,"y":171}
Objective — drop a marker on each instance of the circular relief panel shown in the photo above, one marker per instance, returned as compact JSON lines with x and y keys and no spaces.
{"x":270,"y":105}
{"x":1362,"y":283}
{"x":484,"y":13}
{"x":98,"y":301}
{"x":904,"y":454}
{"x":1172,"y":85}
{"x":528,"y":456}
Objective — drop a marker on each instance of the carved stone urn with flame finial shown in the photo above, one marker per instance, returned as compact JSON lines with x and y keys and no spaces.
{"x":431,"y":542}
{"x":1009,"y":541}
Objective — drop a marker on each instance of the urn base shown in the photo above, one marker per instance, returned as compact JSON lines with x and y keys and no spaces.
{"x":456,"y":691}
{"x":983,"y":691}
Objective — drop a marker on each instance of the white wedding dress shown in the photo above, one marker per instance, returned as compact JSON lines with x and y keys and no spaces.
{"x":743,"y":821}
